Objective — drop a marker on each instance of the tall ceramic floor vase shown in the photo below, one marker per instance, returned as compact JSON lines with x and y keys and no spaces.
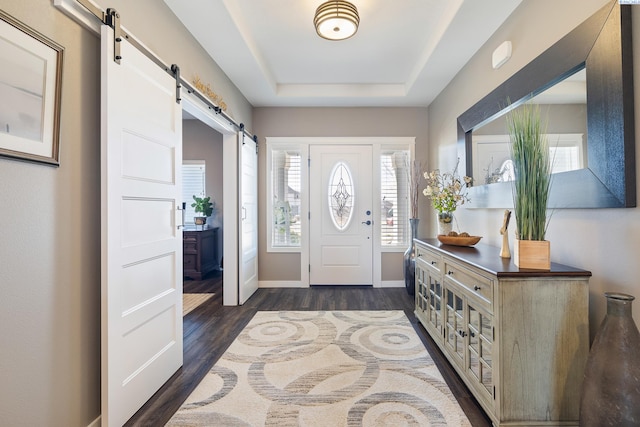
{"x":410,"y":259}
{"x":611,"y":388}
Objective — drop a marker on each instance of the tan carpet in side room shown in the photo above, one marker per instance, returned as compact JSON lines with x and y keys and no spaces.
{"x":323,"y":368}
{"x":192,"y":301}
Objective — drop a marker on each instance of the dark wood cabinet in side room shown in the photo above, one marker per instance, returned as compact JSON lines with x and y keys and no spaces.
{"x":200,"y":252}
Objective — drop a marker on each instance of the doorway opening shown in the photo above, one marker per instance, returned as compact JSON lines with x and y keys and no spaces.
{"x":202,"y":177}
{"x":336,"y":210}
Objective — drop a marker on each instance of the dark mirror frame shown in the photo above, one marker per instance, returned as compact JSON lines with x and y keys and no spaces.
{"x":602,"y":44}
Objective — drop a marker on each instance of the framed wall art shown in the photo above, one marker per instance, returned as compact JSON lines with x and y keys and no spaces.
{"x":30,"y":90}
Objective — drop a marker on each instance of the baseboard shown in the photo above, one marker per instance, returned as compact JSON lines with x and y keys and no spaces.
{"x":96,"y":422}
{"x":281,"y":284}
{"x":392,"y":284}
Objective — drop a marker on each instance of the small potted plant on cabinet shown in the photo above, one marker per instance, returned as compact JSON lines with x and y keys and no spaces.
{"x":204,"y":206}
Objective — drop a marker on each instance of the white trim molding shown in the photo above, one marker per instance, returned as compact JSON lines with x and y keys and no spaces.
{"x":282,"y":284}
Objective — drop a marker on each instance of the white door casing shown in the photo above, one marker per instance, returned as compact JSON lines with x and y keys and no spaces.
{"x":141,"y":154}
{"x":248,"y":223}
{"x":341,"y":243}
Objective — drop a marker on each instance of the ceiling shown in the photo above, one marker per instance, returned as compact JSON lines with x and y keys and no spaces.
{"x":404,"y":53}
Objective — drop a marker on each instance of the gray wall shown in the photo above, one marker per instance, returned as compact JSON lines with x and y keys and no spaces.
{"x":50,"y":224}
{"x":50,"y":250}
{"x":316,"y":122}
{"x":559,"y":118}
{"x":604,"y":241}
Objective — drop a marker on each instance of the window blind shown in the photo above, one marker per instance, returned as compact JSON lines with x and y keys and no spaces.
{"x":394,"y":198}
{"x":286,"y":204}
{"x":193,"y":184}
{"x":565,"y":158}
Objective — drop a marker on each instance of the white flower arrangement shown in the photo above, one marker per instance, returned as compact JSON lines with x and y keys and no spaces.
{"x":446,"y":190}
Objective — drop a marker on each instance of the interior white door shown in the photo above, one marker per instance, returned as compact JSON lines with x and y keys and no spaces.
{"x":141,"y":153}
{"x":248,"y":225}
{"x":341,"y":219}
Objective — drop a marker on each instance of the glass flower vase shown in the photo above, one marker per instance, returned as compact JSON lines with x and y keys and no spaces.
{"x":410,"y":260}
{"x":445,"y":223}
{"x":611,"y":387}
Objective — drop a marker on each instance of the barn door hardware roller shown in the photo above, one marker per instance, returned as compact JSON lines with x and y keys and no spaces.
{"x":113,"y":20}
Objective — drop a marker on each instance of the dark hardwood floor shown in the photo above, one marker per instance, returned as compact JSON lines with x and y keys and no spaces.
{"x":212,"y":327}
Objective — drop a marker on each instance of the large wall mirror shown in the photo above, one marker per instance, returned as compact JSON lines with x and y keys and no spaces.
{"x":584,"y":86}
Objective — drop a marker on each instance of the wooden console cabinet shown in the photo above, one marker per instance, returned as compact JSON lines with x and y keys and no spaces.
{"x":519,"y":339}
{"x":200,"y":252}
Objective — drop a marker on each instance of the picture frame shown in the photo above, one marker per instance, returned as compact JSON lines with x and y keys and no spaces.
{"x":30,"y":90}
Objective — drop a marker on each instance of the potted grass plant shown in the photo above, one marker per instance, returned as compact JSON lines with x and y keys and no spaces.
{"x":531,"y":186}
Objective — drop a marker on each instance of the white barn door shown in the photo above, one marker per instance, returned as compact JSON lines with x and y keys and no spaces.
{"x":141,"y":242}
{"x":248,"y":224}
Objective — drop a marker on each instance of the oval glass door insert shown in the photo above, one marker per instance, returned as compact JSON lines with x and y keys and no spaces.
{"x":341,"y":195}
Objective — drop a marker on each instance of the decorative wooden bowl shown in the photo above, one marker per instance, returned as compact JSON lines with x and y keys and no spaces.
{"x":459,"y":240}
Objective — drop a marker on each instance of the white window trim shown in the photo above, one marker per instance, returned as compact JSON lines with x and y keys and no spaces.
{"x":302,"y":144}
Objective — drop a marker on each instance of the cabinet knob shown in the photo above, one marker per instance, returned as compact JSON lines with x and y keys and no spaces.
{"x":419,"y":255}
{"x":476,"y":288}
{"x":462,"y":334}
{"x":450,"y":273}
{"x":433,"y":263}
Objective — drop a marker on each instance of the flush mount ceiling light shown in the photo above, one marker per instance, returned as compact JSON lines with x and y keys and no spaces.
{"x":336,"y":20}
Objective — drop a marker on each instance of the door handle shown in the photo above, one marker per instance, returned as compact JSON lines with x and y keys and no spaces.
{"x":243,"y":216}
{"x":184,"y":207}
{"x":368,"y":222}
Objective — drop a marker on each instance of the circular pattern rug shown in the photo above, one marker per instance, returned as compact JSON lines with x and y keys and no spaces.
{"x":323,"y":368}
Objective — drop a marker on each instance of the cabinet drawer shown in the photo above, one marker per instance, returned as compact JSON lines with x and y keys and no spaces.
{"x":430,"y":258}
{"x":189,"y":262}
{"x":478,"y":285}
{"x":190,"y":246}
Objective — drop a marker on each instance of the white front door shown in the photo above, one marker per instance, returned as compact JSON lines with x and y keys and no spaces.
{"x":341,"y":219}
{"x":248,"y":224}
{"x":141,"y":154}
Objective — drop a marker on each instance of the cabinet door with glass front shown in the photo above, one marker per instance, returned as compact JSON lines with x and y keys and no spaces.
{"x":429,"y":299}
{"x":454,"y":324}
{"x":421,"y":291}
{"x":431,"y":262}
{"x":434,"y":299}
{"x":479,"y":363}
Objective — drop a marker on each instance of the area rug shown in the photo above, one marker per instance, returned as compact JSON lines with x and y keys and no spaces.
{"x":192,"y":301}
{"x":323,"y":368}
